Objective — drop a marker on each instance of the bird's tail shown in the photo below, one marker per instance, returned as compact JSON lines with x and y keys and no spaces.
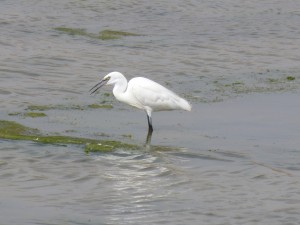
{"x":185,"y":105}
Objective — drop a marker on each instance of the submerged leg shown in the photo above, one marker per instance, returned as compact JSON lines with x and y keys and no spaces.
{"x":149,"y":136}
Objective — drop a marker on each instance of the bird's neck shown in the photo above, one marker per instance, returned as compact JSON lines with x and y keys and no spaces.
{"x":120,"y":88}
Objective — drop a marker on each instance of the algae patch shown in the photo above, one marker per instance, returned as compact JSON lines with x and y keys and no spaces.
{"x":52,"y":107}
{"x":103,"y":35}
{"x":34,"y":114}
{"x":28,"y":114}
{"x":15,"y":131}
{"x":102,"y":106}
{"x":107,"y":146}
{"x":66,"y":107}
{"x":74,"y":31}
{"x":15,"y":114}
{"x":39,"y":107}
{"x":290,"y":78}
{"x":114,"y":34}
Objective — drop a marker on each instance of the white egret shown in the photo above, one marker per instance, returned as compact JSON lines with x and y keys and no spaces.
{"x":143,"y":93}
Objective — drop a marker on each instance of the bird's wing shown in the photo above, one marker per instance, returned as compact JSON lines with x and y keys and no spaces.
{"x":153,"y":95}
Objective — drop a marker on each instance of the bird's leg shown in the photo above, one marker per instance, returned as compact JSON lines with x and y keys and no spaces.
{"x":149,"y":136}
{"x":150,"y":128}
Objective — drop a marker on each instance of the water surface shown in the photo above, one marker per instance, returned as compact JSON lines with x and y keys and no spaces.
{"x":233,"y":160}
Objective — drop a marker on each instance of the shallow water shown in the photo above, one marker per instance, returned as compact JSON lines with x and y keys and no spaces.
{"x":238,"y":167}
{"x":233,"y":160}
{"x":215,"y":50}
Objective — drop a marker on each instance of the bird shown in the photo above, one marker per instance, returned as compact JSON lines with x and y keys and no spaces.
{"x":143,"y":93}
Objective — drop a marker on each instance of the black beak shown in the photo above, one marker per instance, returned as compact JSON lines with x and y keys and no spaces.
{"x":99,"y":85}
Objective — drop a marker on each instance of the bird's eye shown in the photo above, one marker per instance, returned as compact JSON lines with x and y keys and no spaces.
{"x":106,"y":78}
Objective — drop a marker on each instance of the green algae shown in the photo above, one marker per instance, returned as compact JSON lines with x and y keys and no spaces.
{"x":15,"y":114}
{"x":290,"y":78}
{"x":281,"y":80}
{"x":28,"y":114}
{"x":107,"y":146}
{"x":103,"y":35}
{"x":34,"y":114}
{"x":114,"y":34}
{"x":101,"y":106}
{"x":74,"y":31}
{"x":39,"y":107}
{"x":225,"y":88}
{"x":15,"y":131}
{"x":66,"y":107}
{"x":53,"y":107}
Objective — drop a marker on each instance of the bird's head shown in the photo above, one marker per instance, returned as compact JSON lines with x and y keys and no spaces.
{"x":110,"y":79}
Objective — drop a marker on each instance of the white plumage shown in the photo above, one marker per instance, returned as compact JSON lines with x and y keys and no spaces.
{"x":143,"y":93}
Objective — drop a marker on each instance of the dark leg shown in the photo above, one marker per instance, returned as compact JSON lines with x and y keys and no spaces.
{"x":150,"y":128}
{"x":149,"y":136}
